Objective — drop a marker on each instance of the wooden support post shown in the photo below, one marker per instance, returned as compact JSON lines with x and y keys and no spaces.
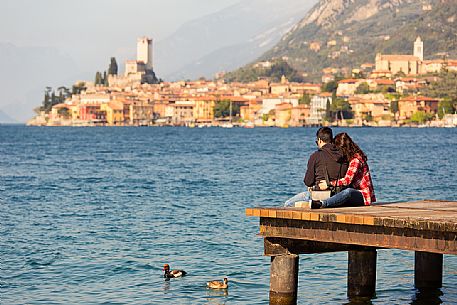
{"x":284,"y":279}
{"x":362,"y":273}
{"x":428,"y":270}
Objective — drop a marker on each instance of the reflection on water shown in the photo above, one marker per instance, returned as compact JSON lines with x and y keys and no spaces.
{"x":430,"y":296}
{"x":359,"y":301}
{"x":166,"y":285}
{"x":217,"y":296}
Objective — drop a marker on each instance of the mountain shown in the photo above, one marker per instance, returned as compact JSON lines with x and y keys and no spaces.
{"x":6,"y":119}
{"x":24,"y":74}
{"x":227,"y":39}
{"x":347,"y":33}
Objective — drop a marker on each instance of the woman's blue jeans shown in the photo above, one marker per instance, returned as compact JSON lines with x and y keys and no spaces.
{"x":347,"y":197}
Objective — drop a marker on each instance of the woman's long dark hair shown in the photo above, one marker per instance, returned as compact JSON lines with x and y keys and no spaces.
{"x":349,"y":149}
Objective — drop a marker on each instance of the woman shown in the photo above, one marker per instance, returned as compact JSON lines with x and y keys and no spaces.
{"x":358,"y":181}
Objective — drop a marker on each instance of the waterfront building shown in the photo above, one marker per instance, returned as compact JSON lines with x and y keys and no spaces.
{"x":318,"y":107}
{"x":282,"y":114}
{"x":407,"y":106}
{"x":370,"y":107}
{"x":183,"y":112}
{"x":299,"y":115}
{"x":114,"y":112}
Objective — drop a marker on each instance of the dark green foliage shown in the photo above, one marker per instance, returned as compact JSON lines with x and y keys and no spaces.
{"x":305,"y":99}
{"x":274,"y":73}
{"x":51,"y":98}
{"x":394,"y":106}
{"x":222,"y":109}
{"x":363,"y":88}
{"x":98,"y":78}
{"x":330,"y":86}
{"x":105,"y":79}
{"x":341,"y":109}
{"x":112,"y":69}
{"x":445,"y":87}
{"x":446,"y":106}
{"x":78,"y":88}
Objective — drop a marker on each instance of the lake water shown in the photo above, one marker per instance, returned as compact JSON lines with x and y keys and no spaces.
{"x":90,"y":215}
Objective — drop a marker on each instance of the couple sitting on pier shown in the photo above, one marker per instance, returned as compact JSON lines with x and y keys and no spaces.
{"x":338,"y":165}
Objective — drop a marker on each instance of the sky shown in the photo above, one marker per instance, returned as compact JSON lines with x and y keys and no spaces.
{"x":81,"y":35}
{"x":87,"y":30}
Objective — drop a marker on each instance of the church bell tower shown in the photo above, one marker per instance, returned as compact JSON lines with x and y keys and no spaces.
{"x":419,"y":48}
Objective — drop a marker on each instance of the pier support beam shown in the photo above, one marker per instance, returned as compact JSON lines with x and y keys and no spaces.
{"x":428,"y":270}
{"x":362,"y":273}
{"x":284,"y":280}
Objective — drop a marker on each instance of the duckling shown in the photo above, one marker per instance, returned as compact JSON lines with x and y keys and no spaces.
{"x":172,"y":273}
{"x":218,"y":284}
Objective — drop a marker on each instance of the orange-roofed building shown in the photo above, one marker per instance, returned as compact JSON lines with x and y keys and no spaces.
{"x":114,"y":112}
{"x":370,"y":106}
{"x":204,"y":109}
{"x":409,"y":105}
{"x":283,"y":114}
{"x":299,"y":115}
{"x":348,"y":86}
{"x":250,"y":111}
{"x":407,"y":64}
{"x":382,"y":84}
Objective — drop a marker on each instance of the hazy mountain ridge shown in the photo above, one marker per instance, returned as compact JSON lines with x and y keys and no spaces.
{"x":198,"y":47}
{"x":347,"y":33}
{"x":25,"y":73}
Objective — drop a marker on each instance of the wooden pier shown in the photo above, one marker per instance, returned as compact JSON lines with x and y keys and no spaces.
{"x":427,"y":227}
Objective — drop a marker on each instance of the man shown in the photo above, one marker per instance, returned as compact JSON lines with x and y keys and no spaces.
{"x":326,"y":159}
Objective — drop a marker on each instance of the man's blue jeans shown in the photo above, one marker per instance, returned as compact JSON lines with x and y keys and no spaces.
{"x":297,"y":198}
{"x":347,"y":197}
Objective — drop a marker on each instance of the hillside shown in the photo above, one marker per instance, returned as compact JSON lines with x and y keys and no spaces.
{"x":347,"y":33}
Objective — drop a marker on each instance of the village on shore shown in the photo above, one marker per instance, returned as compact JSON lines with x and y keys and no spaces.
{"x":387,"y":93}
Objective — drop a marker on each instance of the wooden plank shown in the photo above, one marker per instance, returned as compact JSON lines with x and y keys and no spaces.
{"x":282,"y":246}
{"x":372,"y":236}
{"x":425,"y":214}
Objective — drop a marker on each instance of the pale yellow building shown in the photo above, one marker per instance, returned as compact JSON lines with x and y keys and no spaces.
{"x":407,"y":64}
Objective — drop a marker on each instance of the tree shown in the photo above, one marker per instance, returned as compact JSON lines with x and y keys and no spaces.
{"x":363,"y":88}
{"x":112,"y":69}
{"x":446,"y":106}
{"x":305,"y":99}
{"x":105,"y":79}
{"x":421,"y":117}
{"x":98,"y":78}
{"x":341,"y":108}
{"x":328,"y":112}
{"x":394,"y":106}
{"x":222,"y":109}
{"x":78,"y":88}
{"x":330,"y":86}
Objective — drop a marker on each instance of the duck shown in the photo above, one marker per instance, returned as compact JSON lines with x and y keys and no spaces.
{"x":218,"y":284}
{"x":172,"y":273}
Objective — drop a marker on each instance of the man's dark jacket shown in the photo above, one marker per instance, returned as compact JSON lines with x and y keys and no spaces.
{"x":329,"y":155}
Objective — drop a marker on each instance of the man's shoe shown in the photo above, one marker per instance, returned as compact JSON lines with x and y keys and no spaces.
{"x":315,"y":204}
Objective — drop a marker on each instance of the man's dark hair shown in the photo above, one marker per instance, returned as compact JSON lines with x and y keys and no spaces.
{"x":325,"y":134}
